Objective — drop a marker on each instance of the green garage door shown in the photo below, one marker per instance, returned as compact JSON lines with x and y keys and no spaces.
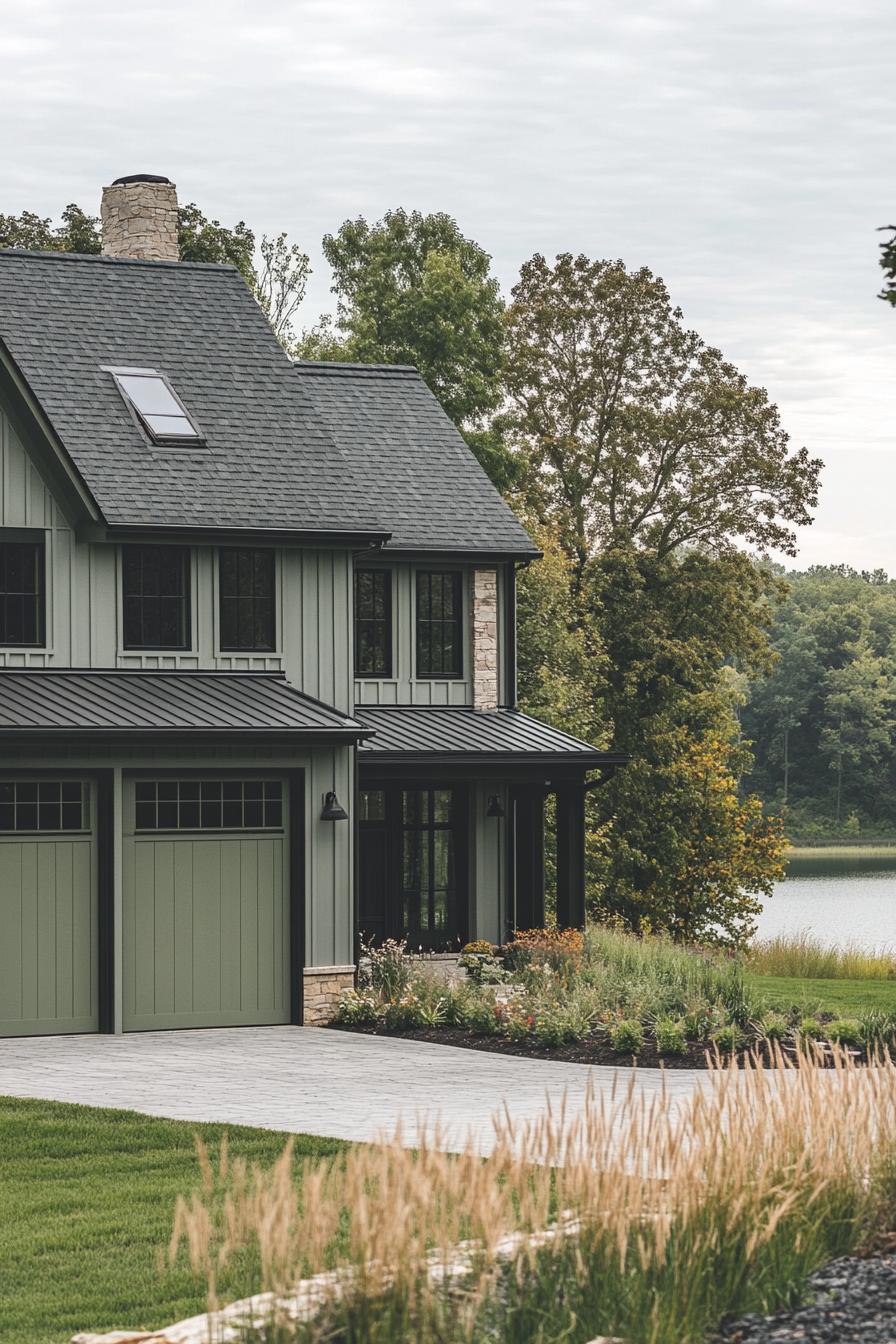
{"x":205,"y":903}
{"x":48,"y":908}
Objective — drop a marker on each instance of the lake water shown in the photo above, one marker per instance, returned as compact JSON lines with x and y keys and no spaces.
{"x":841,"y":900}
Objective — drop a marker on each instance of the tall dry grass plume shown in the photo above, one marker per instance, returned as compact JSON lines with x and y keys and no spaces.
{"x":645,"y":1220}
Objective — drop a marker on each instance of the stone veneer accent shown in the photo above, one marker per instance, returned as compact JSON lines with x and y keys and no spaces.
{"x":139,"y":220}
{"x":323,"y":987}
{"x":485,"y":639}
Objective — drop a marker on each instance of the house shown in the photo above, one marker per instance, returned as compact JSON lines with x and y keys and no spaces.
{"x":257,"y":686}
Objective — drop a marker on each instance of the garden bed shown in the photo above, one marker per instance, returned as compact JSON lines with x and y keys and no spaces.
{"x":608,"y":997}
{"x":592,"y":1051}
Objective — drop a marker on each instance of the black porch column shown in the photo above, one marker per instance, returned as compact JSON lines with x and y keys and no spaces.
{"x":528,"y":857}
{"x":571,"y":856}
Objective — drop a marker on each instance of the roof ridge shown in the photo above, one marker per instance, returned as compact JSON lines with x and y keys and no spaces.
{"x":337,"y":366}
{"x":97,"y":258}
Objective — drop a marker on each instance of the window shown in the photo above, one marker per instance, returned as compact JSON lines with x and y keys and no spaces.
{"x":50,"y":805}
{"x":428,"y":865}
{"x":373,"y":622}
{"x":156,"y":597}
{"x":246,"y":584}
{"x":161,"y":413}
{"x":209,"y":805}
{"x":440,"y":644}
{"x":22,"y":595}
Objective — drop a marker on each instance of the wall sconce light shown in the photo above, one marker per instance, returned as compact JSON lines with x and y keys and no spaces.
{"x":495,"y":807}
{"x":332,"y":809}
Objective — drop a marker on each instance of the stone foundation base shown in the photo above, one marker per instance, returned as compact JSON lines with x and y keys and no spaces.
{"x":323,"y":987}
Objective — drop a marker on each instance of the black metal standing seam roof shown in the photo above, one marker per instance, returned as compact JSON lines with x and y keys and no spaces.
{"x":463,"y":732}
{"x":46,"y":702}
{"x":269,"y":461}
{"x":425,"y":482}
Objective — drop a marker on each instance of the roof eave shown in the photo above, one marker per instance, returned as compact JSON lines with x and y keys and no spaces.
{"x":272,"y":536}
{"x":313,"y":736}
{"x":42,"y":441}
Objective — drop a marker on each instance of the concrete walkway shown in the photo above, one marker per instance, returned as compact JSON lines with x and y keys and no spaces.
{"x":308,"y":1080}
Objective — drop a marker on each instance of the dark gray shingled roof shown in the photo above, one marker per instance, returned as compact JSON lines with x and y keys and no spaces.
{"x":426,"y":483}
{"x":285,"y":451}
{"x":464,"y":733}
{"x":156,"y":704}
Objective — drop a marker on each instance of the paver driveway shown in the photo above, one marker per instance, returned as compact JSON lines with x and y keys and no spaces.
{"x":307,"y":1080}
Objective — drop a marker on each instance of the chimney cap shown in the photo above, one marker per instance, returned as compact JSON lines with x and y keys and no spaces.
{"x":141,"y":177}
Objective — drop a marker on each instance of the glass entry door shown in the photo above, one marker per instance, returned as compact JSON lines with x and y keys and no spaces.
{"x":413,"y":863}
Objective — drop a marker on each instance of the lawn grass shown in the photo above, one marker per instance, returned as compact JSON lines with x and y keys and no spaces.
{"x":86,"y":1204}
{"x":843,"y":998}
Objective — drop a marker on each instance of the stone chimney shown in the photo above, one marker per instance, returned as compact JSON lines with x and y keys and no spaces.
{"x":139,"y":218}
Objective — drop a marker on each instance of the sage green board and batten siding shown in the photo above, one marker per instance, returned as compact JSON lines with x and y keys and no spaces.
{"x":404,"y":687}
{"x":314,"y":627}
{"x":328,"y":845}
{"x":48,"y":935}
{"x":489,"y":864}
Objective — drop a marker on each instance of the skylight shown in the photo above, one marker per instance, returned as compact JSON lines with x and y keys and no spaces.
{"x":149,"y":393}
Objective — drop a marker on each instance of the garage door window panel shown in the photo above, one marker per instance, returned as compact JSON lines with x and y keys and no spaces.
{"x":209,"y":805}
{"x":42,"y":806}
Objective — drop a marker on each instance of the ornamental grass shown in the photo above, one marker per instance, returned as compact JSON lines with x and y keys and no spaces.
{"x":646,"y":1221}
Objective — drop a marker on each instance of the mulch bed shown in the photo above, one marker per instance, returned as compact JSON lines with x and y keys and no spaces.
{"x":850,"y":1301}
{"x":594,"y":1051}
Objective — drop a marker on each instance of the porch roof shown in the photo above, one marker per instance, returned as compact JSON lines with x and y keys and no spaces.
{"x":405,"y":734}
{"x":92,"y":704}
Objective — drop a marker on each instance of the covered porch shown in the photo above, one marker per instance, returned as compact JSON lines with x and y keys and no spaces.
{"x":450,"y":816}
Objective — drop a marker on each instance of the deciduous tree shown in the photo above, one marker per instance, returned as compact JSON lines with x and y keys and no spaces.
{"x":413,"y":289}
{"x":632,"y":431}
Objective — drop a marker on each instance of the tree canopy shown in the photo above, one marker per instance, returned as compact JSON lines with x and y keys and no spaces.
{"x":888,"y":266}
{"x":634,"y":431}
{"x":824,"y":722}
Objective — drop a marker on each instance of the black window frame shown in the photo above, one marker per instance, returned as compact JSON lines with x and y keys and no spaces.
{"x":38,"y":547}
{"x":364,"y":624}
{"x":185,"y":598}
{"x":250,"y":601}
{"x":426,"y":625}
{"x":44,"y":807}
{"x":208,"y":805}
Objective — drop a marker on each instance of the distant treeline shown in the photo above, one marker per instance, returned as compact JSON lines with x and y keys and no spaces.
{"x":824,"y":723}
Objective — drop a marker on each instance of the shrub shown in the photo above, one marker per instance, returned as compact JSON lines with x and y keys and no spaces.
{"x":389,"y":967}
{"x":773,"y":1027}
{"x":844,"y":1031}
{"x":627,"y":1037}
{"x":481,"y":964}
{"x":810,"y":1029}
{"x":728,"y":1039}
{"x":558,"y":949}
{"x":475,"y":1010}
{"x":670,"y":1036}
{"x":562,"y":1023}
{"x":357,"y":1007}
{"x":878,"y":1029}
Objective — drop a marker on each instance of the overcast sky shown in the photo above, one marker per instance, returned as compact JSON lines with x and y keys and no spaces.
{"x":743,"y":149}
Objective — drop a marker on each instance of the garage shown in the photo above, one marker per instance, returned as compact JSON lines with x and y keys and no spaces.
{"x":48,"y":907}
{"x":206,"y":902}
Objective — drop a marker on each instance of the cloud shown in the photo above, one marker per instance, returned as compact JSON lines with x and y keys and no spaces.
{"x":739,"y":150}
